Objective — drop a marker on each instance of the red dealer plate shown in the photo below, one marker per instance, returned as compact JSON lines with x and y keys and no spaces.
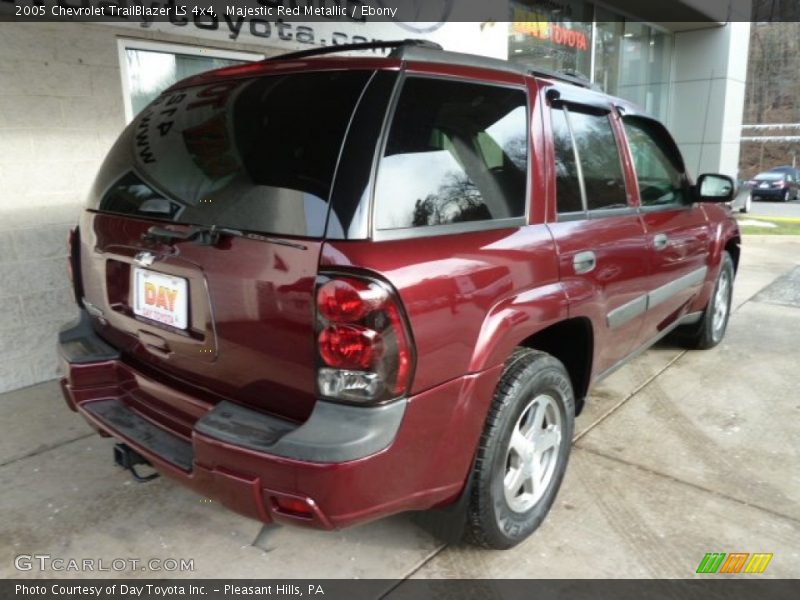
{"x":162,"y":298}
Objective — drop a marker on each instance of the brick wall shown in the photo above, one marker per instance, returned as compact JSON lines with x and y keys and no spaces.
{"x":61,"y":108}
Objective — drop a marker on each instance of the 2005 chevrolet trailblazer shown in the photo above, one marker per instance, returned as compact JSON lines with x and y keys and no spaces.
{"x":322,"y":290}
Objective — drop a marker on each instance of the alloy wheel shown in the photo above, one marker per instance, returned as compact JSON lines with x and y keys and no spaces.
{"x":533,"y":453}
{"x":722,"y":303}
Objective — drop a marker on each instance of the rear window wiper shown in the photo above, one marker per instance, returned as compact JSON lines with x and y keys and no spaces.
{"x":208,"y":236}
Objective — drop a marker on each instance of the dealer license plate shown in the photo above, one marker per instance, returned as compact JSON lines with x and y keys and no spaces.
{"x":162,"y":298}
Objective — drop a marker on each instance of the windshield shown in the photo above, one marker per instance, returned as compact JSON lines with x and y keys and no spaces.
{"x":251,"y":154}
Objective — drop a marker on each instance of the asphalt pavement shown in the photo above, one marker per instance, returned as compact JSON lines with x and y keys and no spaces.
{"x":769,"y":208}
{"x":765,"y":208}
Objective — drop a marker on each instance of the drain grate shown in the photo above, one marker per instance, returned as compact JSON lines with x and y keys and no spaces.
{"x":785,"y":290}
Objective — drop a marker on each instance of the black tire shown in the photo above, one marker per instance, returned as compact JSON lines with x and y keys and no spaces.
{"x":532,"y":381}
{"x":710,"y":332}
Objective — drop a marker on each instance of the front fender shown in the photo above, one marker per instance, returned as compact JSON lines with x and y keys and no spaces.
{"x":724,"y":230}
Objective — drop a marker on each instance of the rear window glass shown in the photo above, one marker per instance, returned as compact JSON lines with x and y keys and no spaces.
{"x":456,"y":152}
{"x":251,"y":154}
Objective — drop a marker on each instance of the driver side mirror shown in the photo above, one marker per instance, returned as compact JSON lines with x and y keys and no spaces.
{"x":714,"y":188}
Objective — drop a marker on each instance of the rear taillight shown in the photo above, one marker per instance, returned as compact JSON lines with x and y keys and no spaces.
{"x":364,"y":346}
{"x":350,"y":346}
{"x":73,"y":263}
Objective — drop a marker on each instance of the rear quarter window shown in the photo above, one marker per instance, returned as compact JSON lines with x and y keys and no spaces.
{"x":456,"y":152}
{"x":252,"y":154}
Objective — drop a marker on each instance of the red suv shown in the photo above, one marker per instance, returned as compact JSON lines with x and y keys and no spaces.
{"x":323,"y":290}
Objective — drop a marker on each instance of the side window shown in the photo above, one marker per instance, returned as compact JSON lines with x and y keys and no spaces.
{"x":588,"y":167}
{"x":600,"y":162}
{"x":456,"y":152}
{"x":658,"y":165}
{"x":568,"y":188}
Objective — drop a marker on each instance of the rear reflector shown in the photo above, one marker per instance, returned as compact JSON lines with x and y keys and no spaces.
{"x":293,"y":506}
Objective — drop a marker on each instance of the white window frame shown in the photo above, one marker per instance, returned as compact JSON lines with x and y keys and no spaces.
{"x":124,"y":44}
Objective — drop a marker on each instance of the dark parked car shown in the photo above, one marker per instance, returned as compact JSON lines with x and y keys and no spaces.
{"x":786,"y":169}
{"x":326,"y":290}
{"x":775,"y":185}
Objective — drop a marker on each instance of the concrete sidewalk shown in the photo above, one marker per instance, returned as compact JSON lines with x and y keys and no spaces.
{"x":677,"y":454}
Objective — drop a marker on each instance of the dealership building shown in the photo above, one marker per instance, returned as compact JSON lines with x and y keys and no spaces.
{"x":67,"y":89}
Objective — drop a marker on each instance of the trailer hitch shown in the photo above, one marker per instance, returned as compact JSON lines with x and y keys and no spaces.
{"x":127,"y":458}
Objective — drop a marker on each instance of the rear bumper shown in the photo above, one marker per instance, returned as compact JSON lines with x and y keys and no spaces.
{"x":345,"y":464}
{"x":769,"y":194}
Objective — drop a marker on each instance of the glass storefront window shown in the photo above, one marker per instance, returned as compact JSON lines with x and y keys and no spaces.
{"x":607,"y":42}
{"x":624,"y":58}
{"x":552,"y":35}
{"x":646,"y":55}
{"x":149,"y":69}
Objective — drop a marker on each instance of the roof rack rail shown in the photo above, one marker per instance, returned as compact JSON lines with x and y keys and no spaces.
{"x":426,"y":50}
{"x":394,"y":44}
{"x":423,"y":52}
{"x":572,"y":77}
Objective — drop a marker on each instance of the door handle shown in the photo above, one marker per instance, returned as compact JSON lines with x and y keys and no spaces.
{"x":660,"y":241}
{"x":584,"y":262}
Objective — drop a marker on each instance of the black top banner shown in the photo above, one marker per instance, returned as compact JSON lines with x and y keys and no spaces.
{"x":429,"y":12}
